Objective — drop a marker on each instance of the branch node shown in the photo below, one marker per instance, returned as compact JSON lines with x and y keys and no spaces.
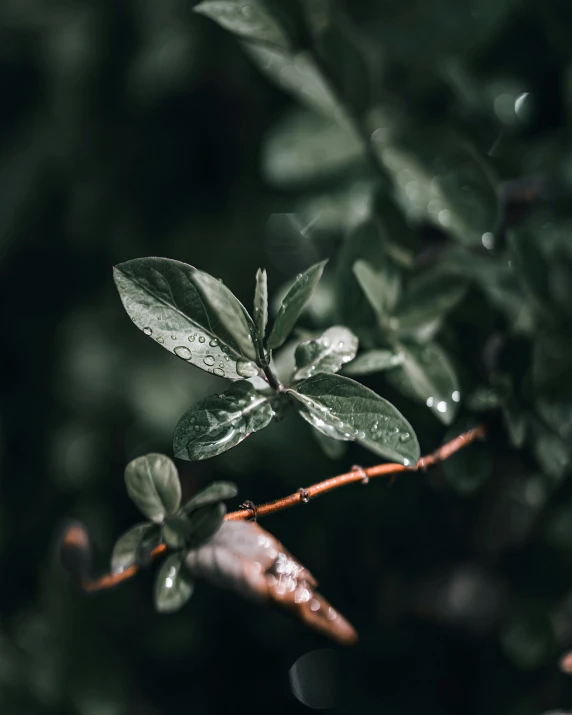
{"x":250,"y":506}
{"x":421,"y":465}
{"x":304,"y":495}
{"x":361,"y":471}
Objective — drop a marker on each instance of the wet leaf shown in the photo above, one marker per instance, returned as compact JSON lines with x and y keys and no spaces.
{"x":190,"y":313}
{"x":260,"y":312}
{"x":427,"y":375}
{"x":250,"y":20}
{"x":374,"y":288}
{"x":220,"y":422}
{"x":134,"y":546}
{"x":428,"y":297}
{"x":373,"y":361}
{"x":305,"y":147}
{"x":352,"y":410}
{"x":153,"y":484}
{"x":293,"y":304}
{"x":174,"y":585}
{"x":215,"y":492}
{"x":440,"y":178}
{"x":243,"y":557}
{"x":176,"y":532}
{"x":334,"y":348}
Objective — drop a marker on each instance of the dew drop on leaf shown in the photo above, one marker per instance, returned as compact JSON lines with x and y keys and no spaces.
{"x":160,"y":340}
{"x":404,"y":437}
{"x":213,"y":343}
{"x":218,"y":371}
{"x":202,"y":339}
{"x":209,"y":360}
{"x":191,"y":338}
{"x":147,"y":331}
{"x":245,"y":368}
{"x":183,"y":352}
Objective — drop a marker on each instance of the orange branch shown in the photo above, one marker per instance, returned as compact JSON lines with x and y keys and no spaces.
{"x":303,"y":495}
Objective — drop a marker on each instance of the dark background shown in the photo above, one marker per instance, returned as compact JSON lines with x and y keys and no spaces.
{"x":135,"y":128}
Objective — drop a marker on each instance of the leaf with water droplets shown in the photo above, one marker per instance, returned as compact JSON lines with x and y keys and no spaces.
{"x":215,"y":492}
{"x":373,"y":361}
{"x":357,"y":413}
{"x":134,"y":546}
{"x":428,"y":298}
{"x":293,"y":304}
{"x":334,"y":348}
{"x":441,"y":178}
{"x":188,"y":312}
{"x":304,"y":147}
{"x":243,"y":557}
{"x":220,"y":422}
{"x":249,"y":19}
{"x":426,"y":375}
{"x":174,"y":584}
{"x":260,"y":312}
{"x":153,"y":484}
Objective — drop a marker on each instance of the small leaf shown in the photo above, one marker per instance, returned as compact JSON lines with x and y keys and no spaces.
{"x":293,"y":304}
{"x":215,"y":492}
{"x":332,"y":448}
{"x":515,"y":421}
{"x":174,"y":585}
{"x":205,"y":521}
{"x":428,"y":298}
{"x":249,"y":20}
{"x":134,"y":546}
{"x":372,"y":287}
{"x":176,"y":532}
{"x":220,"y":422}
{"x":261,"y":305}
{"x":243,"y":557}
{"x":373,"y":361}
{"x":335,"y":347}
{"x":360,"y":415}
{"x":153,"y":484}
{"x":427,"y":375}
{"x":189,"y":313}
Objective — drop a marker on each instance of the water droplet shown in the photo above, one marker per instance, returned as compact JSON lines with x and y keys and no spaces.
{"x":202,"y":339}
{"x":209,"y":360}
{"x":193,"y":420}
{"x":245,"y":368}
{"x":183,"y":352}
{"x":430,"y":401}
{"x":218,"y":371}
{"x":213,"y":343}
{"x":406,"y":462}
{"x":147,"y":331}
{"x":361,"y":434}
{"x":404,"y":437}
{"x":456,"y":396}
{"x":225,"y":349}
{"x":442,"y":406}
{"x":488,"y":240}
{"x":160,"y":340}
{"x":197,"y":428}
{"x":173,"y":337}
{"x":191,"y":338}
{"x":226,"y":357}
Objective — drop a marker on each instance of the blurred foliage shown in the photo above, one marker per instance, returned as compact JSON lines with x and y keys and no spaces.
{"x":134,"y":129}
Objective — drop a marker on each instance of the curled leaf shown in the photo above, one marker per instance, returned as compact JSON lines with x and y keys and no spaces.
{"x":245,"y":558}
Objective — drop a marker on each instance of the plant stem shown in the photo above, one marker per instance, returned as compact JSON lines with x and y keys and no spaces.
{"x":304,"y":495}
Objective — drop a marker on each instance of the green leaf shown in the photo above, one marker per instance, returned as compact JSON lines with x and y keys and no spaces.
{"x":305,"y":147}
{"x":368,"y":243}
{"x":440,"y":178}
{"x":373,"y":361}
{"x":220,"y":422}
{"x":372,"y":287}
{"x":293,"y":304}
{"x":249,"y":20}
{"x":189,"y":313}
{"x":296,"y":72}
{"x":176,"y":532}
{"x":427,"y":375}
{"x":174,"y":585}
{"x":153,"y":484}
{"x":532,"y":268}
{"x":335,"y":347}
{"x":215,"y":492}
{"x":134,"y":546}
{"x":331,"y":447}
{"x":427,"y":298}
{"x":205,"y":521}
{"x":260,"y":312}
{"x":357,"y":413}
